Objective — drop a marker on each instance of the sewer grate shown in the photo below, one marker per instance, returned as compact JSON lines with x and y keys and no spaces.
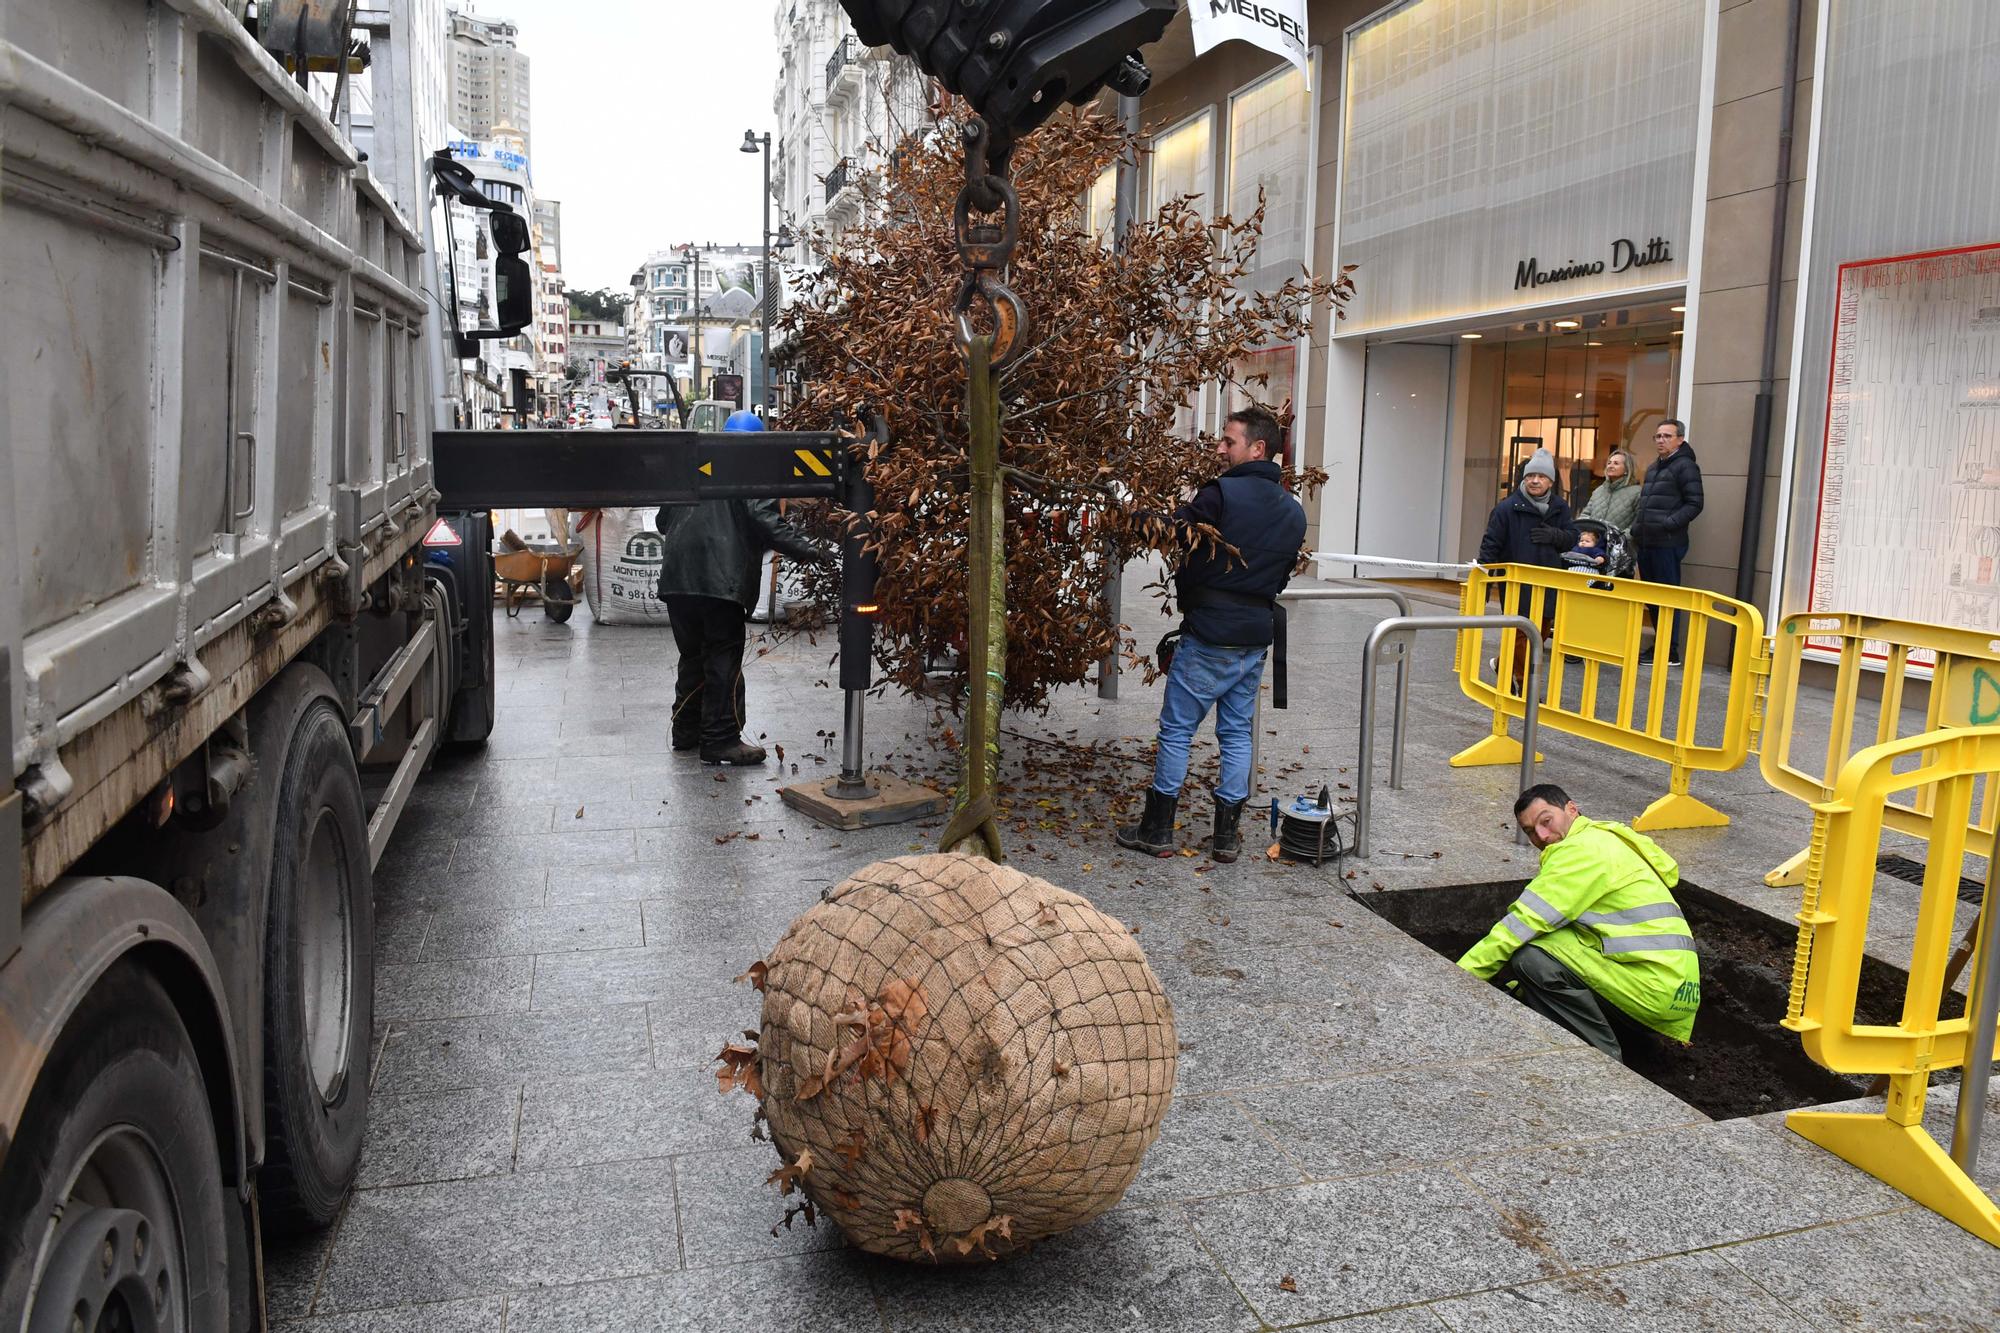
{"x":1898,"y":866}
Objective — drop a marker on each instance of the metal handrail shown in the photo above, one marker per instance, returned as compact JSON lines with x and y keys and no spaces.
{"x":1370,"y":664}
{"x":836,"y":179}
{"x":1399,"y":724}
{"x":843,"y":52}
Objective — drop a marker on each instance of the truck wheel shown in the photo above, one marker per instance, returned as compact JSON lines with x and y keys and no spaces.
{"x":113,"y":1210}
{"x":319,"y":978}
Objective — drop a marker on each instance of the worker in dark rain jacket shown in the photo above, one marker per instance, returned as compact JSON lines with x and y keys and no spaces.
{"x":709,"y":563}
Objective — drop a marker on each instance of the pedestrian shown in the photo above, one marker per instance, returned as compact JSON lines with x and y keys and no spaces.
{"x":1229,"y":617}
{"x":1669,"y":501}
{"x":709,"y":560}
{"x":1597,"y":926}
{"x":1530,"y":527}
{"x":1616,"y":502}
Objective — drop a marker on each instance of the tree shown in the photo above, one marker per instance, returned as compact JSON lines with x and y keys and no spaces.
{"x":602,"y":304}
{"x":1120,"y":340}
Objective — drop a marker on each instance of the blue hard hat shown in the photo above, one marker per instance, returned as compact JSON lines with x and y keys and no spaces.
{"x":745,"y":420}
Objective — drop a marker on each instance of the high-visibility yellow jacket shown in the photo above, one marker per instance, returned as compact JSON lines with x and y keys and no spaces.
{"x":1602,"y":905}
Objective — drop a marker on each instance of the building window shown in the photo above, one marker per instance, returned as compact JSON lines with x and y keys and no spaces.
{"x":1100,"y":205}
{"x":1270,"y":141}
{"x":1183,"y":164}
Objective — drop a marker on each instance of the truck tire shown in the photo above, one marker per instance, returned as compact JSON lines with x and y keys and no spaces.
{"x":117,"y":1160}
{"x":319,"y":977}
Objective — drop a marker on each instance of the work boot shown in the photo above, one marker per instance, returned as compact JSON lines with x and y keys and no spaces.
{"x":739,"y":753}
{"x":1154,"y":832}
{"x":1227,"y":840}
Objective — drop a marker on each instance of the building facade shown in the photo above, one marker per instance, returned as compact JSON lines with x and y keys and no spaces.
{"x":489,"y":77}
{"x":501,"y":386}
{"x":710,"y":288}
{"x":551,"y":305}
{"x":841,"y":109}
{"x":1561,"y":216}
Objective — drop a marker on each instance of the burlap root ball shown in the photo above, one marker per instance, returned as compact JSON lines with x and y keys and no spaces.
{"x":973,"y":1058}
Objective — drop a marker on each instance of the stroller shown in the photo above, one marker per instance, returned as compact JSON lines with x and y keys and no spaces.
{"x":1620,"y":560}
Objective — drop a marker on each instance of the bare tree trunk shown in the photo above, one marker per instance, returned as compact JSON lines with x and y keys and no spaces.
{"x":973,"y":813}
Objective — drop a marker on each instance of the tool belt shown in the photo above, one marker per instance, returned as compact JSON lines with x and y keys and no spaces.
{"x":1163,"y":653}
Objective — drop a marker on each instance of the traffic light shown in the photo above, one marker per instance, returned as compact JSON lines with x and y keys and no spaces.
{"x":1016,"y":61}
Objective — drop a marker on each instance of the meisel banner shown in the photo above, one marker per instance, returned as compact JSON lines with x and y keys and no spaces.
{"x":1275,"y":25}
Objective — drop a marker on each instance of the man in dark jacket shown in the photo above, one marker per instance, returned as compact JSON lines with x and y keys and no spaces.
{"x":1668,"y":502}
{"x":1530,"y":527}
{"x":1229,"y":605}
{"x":709,"y":564}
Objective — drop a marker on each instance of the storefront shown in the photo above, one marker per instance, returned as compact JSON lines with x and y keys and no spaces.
{"x":1515,"y":194}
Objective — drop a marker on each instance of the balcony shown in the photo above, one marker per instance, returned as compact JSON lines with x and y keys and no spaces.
{"x":843,"y":70}
{"x":839,"y":181}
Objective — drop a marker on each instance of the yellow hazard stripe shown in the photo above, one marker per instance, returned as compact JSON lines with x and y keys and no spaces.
{"x":812,"y":459}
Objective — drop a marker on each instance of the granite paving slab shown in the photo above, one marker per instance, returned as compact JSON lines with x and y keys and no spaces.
{"x":1132,"y":1269}
{"x":504,"y":1050}
{"x":1207,"y":1146}
{"x":445,"y":890}
{"x":730,"y":1215}
{"x":1688,"y":1293}
{"x":497,"y":932}
{"x":419,"y":1137}
{"x":1351,"y":1246}
{"x":1904,"y":1269}
{"x":827,"y":1293}
{"x":626,"y":1117}
{"x":456,"y":989}
{"x":1450,"y":1112}
{"x":1676,"y":1190}
{"x":571,"y":885}
{"x":475,"y":855}
{"x":503,"y":1233}
{"x":479,"y":1316}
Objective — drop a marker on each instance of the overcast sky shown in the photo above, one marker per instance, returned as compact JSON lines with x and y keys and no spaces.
{"x":639,"y":108}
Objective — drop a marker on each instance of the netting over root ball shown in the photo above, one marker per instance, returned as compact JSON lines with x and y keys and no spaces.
{"x":958,"y":1059}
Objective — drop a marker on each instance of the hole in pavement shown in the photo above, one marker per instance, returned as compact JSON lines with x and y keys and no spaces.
{"x":1740,"y":1062}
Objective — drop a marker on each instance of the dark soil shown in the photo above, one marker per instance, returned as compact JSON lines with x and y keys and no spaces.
{"x":1740,"y":1062}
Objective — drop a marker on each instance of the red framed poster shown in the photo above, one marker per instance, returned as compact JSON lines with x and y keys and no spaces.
{"x":1908,"y":526}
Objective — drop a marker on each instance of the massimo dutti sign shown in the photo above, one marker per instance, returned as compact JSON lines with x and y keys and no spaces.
{"x":1625,"y":254}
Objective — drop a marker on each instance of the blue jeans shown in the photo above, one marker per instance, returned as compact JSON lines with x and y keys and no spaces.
{"x":1203,"y":674}
{"x":1662,"y":564}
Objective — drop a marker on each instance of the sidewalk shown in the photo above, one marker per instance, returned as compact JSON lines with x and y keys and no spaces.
{"x":560,"y":916}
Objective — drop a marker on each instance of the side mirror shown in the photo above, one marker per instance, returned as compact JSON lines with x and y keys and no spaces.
{"x":513,"y":281}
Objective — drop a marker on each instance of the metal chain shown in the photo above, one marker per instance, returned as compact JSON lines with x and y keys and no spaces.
{"x":986,"y":247}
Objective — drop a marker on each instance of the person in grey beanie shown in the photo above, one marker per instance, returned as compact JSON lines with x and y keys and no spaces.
{"x":1530,"y":527}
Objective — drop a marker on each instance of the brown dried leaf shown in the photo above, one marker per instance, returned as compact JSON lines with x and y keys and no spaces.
{"x":1287,"y":1283}
{"x":790,"y":1174}
{"x":740,"y":1069}
{"x":755,"y":973}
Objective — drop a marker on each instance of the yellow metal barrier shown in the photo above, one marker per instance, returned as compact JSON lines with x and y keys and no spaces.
{"x":1833,"y":928}
{"x":1597,"y":626}
{"x":1965,"y":691}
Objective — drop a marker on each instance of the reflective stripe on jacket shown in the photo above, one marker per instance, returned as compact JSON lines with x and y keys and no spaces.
{"x":1602,"y":905}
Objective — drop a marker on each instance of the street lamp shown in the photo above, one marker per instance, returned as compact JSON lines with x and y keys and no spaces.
{"x":692,"y":254}
{"x":754,"y":143}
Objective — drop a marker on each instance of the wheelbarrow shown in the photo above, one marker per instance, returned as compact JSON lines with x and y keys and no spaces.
{"x":546,"y":571}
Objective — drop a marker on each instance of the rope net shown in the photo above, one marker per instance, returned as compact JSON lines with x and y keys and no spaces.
{"x":958,"y":1059}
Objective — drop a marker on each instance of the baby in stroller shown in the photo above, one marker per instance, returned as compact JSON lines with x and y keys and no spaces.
{"x":1601,"y":549}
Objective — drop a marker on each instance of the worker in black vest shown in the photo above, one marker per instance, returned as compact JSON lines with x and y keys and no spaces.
{"x":1229,"y":614}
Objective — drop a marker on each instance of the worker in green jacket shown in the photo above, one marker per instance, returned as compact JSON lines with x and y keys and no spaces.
{"x":1599,"y":923}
